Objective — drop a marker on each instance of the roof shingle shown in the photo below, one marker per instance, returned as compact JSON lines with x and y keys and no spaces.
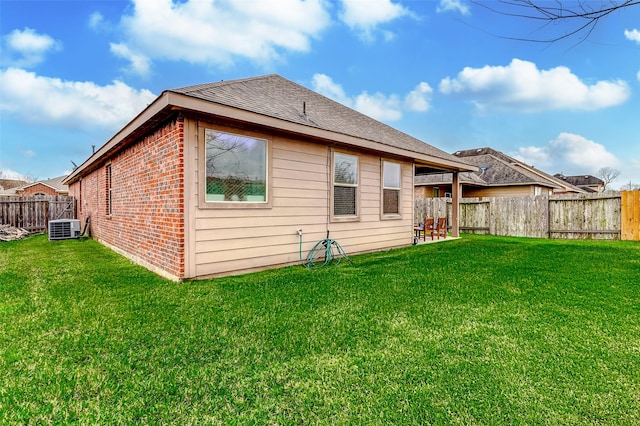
{"x":275,"y":96}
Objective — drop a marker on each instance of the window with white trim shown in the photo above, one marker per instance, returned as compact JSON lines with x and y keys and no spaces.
{"x":236,"y":168}
{"x":391,"y":178}
{"x":345,"y":185}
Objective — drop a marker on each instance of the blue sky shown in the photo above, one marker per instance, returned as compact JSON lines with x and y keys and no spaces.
{"x":72,"y":73}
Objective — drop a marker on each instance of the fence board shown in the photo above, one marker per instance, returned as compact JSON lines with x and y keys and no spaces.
{"x":33,"y":213}
{"x":630,"y":215}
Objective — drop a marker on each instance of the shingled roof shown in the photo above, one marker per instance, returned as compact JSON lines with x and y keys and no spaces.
{"x":276,"y":102}
{"x":54,"y":183}
{"x":275,"y":96}
{"x":581,"y":180}
{"x":498,"y":169}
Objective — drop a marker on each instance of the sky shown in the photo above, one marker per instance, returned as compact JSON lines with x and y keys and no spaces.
{"x":453,"y":73}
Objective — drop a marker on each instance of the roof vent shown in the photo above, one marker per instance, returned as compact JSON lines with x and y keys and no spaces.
{"x":483,"y":168}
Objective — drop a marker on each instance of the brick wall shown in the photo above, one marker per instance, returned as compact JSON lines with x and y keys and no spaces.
{"x":147,"y":220}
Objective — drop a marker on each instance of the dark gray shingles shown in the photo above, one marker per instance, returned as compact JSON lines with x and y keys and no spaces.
{"x":275,"y":96}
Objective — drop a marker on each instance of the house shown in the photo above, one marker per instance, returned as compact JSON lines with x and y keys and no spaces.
{"x":48,"y":187}
{"x":587,"y":183}
{"x":218,"y":179}
{"x":6,"y":184}
{"x":498,"y":175}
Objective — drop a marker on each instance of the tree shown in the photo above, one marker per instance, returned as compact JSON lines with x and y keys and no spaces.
{"x":581,"y":17}
{"x":608,"y":175}
{"x":630,"y":186}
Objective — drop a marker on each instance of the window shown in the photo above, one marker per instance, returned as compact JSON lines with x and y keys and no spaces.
{"x":345,"y":185}
{"x":236,"y":168}
{"x":108,"y":186}
{"x":390,"y":188}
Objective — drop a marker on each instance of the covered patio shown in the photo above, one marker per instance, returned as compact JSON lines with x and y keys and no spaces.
{"x":453,"y":223}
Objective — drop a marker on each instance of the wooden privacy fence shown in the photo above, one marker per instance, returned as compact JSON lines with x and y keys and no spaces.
{"x":34,"y":213}
{"x":595,"y":216}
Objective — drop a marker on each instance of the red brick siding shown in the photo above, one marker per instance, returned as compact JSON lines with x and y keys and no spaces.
{"x":147,"y":219}
{"x":37,"y":188}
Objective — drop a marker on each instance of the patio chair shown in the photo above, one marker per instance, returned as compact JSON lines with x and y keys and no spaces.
{"x":423,"y":228}
{"x":441,"y":227}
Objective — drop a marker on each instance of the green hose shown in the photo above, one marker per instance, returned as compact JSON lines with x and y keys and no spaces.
{"x":326,"y":249}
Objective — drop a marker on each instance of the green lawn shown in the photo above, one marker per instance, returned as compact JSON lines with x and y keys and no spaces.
{"x":482,"y":330}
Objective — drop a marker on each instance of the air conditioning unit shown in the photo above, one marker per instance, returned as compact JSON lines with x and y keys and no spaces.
{"x":63,"y":229}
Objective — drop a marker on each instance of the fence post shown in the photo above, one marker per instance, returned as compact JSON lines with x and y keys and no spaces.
{"x":46,"y":216}
{"x":548,"y":231}
{"x":630,"y":215}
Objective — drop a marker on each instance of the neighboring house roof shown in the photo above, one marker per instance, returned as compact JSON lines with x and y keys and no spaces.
{"x":581,"y":180}
{"x":54,"y":183}
{"x":305,"y":111}
{"x":498,"y":169}
{"x":10,"y":183}
{"x":467,"y":178}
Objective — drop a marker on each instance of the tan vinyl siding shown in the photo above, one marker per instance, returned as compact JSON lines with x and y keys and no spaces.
{"x":242,"y":239}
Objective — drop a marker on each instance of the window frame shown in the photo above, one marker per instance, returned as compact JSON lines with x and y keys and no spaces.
{"x":345,"y":218}
{"x":205,"y":204}
{"x":383,"y":187}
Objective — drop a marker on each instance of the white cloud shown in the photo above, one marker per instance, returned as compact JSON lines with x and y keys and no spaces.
{"x":27,"y":48}
{"x":365,"y":16}
{"x":325,"y":85}
{"x":521,"y":86}
{"x":633,"y":35}
{"x":377,"y":105}
{"x":139,"y":64}
{"x":534,"y":155}
{"x":220,"y":32}
{"x":97,"y":22}
{"x":418,"y":99}
{"x":453,"y":6}
{"x":570,"y":154}
{"x":72,"y":104}
{"x":11,"y":174}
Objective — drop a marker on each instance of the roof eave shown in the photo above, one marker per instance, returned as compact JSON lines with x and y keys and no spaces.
{"x":170,"y":101}
{"x":203,"y":106}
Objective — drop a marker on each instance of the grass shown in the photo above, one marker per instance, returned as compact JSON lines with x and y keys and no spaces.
{"x":482,"y":330}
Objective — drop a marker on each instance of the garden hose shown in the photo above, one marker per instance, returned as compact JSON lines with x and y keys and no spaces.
{"x":326,"y":249}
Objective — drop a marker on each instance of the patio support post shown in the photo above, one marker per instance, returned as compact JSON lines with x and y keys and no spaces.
{"x":455,"y":206}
